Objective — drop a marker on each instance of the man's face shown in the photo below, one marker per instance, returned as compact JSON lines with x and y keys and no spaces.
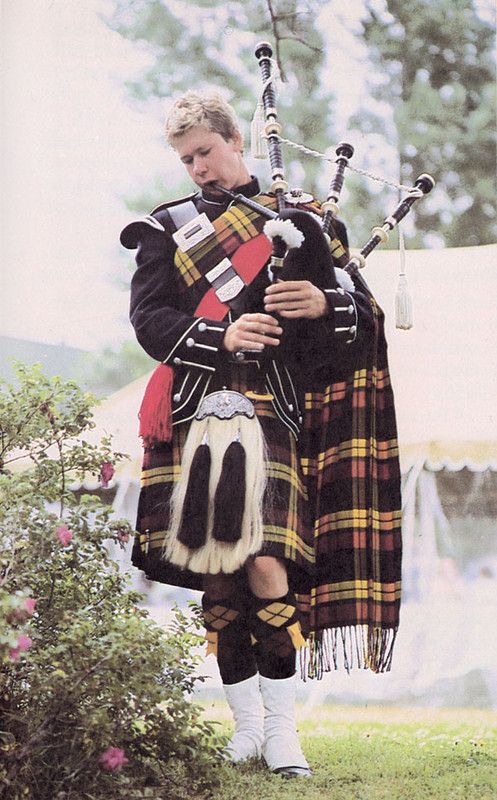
{"x":208,"y":157}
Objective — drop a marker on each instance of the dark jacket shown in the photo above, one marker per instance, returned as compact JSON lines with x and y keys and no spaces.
{"x":162,"y":313}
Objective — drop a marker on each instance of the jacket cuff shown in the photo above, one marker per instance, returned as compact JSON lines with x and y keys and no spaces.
{"x":199,"y":345}
{"x":343,"y":310}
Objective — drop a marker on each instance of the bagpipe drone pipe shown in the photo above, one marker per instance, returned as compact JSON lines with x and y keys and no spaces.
{"x":303,"y":242}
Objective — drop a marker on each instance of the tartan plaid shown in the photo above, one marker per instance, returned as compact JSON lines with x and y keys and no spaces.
{"x":351,"y":468}
{"x":237,"y":225}
{"x":287,"y":532}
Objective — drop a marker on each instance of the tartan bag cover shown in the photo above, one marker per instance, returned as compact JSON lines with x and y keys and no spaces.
{"x":351,"y":467}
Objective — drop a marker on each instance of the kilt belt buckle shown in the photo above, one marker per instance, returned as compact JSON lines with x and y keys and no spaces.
{"x":225,"y":404}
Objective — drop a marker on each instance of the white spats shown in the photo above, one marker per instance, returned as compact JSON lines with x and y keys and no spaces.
{"x":286,"y":230}
{"x":281,"y":749}
{"x":245,"y":702}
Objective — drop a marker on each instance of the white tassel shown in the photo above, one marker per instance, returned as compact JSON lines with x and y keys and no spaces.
{"x":258,"y":145}
{"x":291,"y":235}
{"x":403,"y":300}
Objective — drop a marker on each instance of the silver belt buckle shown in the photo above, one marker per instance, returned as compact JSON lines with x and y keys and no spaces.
{"x":225,"y":405}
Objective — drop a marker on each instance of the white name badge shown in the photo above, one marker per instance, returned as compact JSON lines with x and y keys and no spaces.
{"x":193,"y":232}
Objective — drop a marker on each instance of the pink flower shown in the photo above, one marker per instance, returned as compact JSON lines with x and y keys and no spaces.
{"x":29,"y":605}
{"x":106,"y":473}
{"x":113,"y":758}
{"x":23,"y":643}
{"x":24,"y":611}
{"x":123,"y":536}
{"x":64,"y":535}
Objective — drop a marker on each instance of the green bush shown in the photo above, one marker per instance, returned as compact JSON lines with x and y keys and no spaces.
{"x":93,"y":693}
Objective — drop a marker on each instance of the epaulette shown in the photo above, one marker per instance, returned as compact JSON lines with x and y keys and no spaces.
{"x":130,"y":235}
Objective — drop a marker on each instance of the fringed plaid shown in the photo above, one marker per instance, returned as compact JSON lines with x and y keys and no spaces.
{"x":287,"y":529}
{"x":351,"y":466}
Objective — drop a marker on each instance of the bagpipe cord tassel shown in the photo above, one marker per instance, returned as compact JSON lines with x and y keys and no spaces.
{"x":403,"y":300}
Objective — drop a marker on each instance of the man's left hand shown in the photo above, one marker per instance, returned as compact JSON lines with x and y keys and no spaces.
{"x":295,"y":299}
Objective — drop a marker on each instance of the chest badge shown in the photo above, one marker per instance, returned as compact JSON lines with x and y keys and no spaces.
{"x":193,"y":232}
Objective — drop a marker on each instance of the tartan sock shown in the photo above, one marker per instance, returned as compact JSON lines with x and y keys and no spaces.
{"x":276,"y":634}
{"x":228,"y":637}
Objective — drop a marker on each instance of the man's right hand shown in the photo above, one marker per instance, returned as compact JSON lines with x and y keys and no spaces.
{"x":252,"y":332}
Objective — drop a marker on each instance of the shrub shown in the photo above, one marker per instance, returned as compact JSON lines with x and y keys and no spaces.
{"x":93,"y":693}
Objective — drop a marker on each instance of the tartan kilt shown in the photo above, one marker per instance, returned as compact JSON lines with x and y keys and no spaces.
{"x":287,"y":529}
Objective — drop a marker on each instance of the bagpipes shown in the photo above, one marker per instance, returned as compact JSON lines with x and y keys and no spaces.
{"x":303,"y":246}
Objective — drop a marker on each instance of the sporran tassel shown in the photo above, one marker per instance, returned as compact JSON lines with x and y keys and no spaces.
{"x":229,"y":500}
{"x":403,"y":300}
{"x":193,"y":527}
{"x":258,"y":146}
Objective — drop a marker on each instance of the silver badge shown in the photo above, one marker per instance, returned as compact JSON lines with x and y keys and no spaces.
{"x":230,"y":289}
{"x":193,"y":232}
{"x":225,"y":405}
{"x":296,"y":196}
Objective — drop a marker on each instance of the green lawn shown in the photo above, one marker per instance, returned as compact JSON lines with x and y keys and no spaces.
{"x":380,"y":754}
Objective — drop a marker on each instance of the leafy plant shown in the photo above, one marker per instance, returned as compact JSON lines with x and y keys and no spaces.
{"x":93,"y":693}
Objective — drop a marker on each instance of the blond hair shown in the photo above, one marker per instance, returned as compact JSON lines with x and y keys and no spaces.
{"x":193,"y":110}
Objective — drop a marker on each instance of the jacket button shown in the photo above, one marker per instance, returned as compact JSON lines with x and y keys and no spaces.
{"x":352,"y":329}
{"x":190,"y":342}
{"x":202,"y":327}
{"x":177,"y":360}
{"x":350,"y":309}
{"x":177,"y":398}
{"x":290,"y":406}
{"x":239,"y":356}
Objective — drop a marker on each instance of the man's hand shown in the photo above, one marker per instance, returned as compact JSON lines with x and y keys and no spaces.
{"x":252,"y":332}
{"x":295,"y":300}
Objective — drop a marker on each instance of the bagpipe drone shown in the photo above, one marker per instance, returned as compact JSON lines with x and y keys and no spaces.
{"x":310,"y":254}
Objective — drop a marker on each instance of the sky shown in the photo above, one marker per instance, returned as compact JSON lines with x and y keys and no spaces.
{"x":74,"y":146}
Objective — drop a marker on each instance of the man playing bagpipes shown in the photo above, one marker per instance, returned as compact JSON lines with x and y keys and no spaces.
{"x":264,"y":472}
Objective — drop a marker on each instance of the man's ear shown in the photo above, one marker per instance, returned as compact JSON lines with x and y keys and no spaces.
{"x":237,"y":140}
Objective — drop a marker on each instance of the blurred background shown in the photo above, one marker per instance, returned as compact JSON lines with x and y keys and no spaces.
{"x":412,"y":86}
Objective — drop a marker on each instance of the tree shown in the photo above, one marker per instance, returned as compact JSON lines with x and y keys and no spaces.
{"x":201,"y":43}
{"x":438,"y":77}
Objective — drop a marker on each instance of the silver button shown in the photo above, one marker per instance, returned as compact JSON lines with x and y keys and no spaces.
{"x":350,"y":309}
{"x":340,"y":290}
{"x":290,"y":406}
{"x":202,"y":327}
{"x":353,"y":328}
{"x":177,"y":360}
{"x":190,"y":342}
{"x":177,"y":398}
{"x":239,"y":356}
{"x":300,"y":420}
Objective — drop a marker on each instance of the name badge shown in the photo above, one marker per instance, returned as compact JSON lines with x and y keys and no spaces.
{"x":193,"y":232}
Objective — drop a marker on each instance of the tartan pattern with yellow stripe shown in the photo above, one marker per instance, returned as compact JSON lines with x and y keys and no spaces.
{"x":351,"y":468}
{"x":237,"y":225}
{"x":287,"y":530}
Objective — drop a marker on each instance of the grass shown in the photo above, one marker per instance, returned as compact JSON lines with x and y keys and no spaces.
{"x":379,"y":754}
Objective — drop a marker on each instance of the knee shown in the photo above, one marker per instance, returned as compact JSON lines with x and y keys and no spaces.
{"x":267,"y":577}
{"x":218,"y":587}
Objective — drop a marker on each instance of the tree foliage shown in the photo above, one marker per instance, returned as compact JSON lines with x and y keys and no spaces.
{"x":436,"y":63}
{"x":93,"y":693}
{"x":197,"y":44}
